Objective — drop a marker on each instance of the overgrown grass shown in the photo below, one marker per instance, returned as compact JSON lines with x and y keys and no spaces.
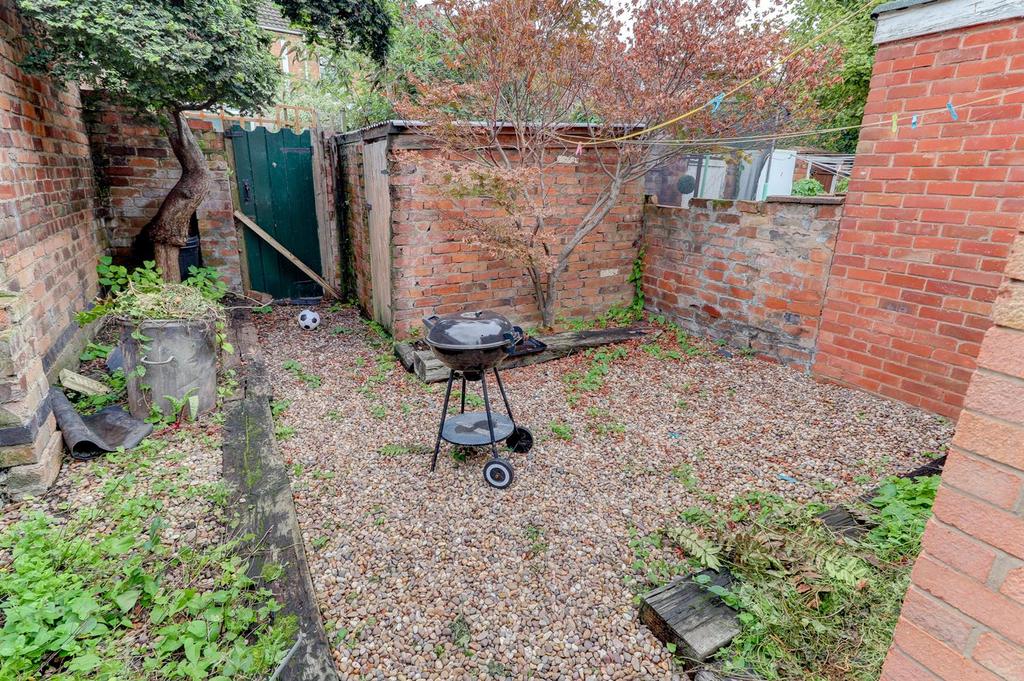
{"x":812,"y":605}
{"x":601,"y":359}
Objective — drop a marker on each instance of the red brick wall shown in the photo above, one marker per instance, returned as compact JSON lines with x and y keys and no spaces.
{"x":354,"y":218}
{"x":750,"y":273}
{"x":136,"y":168}
{"x":963,"y":616}
{"x":929,"y":218}
{"x":434,"y":272}
{"x":48,"y":244}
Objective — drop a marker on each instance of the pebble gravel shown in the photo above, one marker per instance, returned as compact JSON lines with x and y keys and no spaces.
{"x":438,"y":576}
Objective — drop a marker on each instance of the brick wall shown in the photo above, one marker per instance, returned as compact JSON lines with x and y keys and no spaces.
{"x":354,"y":216}
{"x":48,"y":254}
{"x":750,"y":273}
{"x":433,"y":272}
{"x":136,"y":168}
{"x":963,"y":616}
{"x":929,"y":217}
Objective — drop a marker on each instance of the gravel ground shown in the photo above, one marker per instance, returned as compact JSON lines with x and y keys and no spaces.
{"x":439,"y":576}
{"x":184,"y":476}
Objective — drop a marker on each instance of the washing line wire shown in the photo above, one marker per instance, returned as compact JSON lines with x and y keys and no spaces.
{"x":917,"y":116}
{"x":867,"y":5}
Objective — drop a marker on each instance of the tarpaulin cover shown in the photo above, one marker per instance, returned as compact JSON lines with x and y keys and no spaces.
{"x":105,"y":431}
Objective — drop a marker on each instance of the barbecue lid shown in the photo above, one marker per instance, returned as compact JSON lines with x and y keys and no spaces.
{"x":469,"y":331}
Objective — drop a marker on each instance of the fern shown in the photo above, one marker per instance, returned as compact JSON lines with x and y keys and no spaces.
{"x":696,"y":546}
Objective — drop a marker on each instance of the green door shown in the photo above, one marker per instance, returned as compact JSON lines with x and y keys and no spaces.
{"x":274,"y":172}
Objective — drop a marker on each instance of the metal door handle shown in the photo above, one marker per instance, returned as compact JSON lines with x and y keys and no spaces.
{"x":246,"y":191}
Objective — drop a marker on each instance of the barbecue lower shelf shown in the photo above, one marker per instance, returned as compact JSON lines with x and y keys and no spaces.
{"x":470,"y":429}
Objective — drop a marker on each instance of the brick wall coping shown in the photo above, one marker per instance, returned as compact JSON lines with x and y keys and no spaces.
{"x":911,"y":18}
{"x":394,"y":126}
{"x":753,"y":206}
{"x":824,"y":200}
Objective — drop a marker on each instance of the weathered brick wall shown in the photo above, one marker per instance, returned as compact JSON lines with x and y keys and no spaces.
{"x":435,"y":272}
{"x":963,"y":616}
{"x":929,"y":217}
{"x":750,"y":273}
{"x":48,"y":254}
{"x":353,"y":208}
{"x":136,"y":168}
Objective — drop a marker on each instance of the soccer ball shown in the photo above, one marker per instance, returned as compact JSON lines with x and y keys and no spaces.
{"x":309,"y":320}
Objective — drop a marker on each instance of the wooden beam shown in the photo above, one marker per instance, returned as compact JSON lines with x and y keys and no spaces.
{"x":902,"y":20}
{"x":276,"y":245}
{"x":430,"y":370}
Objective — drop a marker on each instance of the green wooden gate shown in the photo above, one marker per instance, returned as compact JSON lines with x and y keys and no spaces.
{"x":274,"y":173}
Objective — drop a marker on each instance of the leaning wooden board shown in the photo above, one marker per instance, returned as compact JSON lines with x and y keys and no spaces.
{"x":430,"y":370}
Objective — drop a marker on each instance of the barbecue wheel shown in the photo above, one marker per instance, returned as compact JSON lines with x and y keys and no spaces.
{"x":498,"y":473}
{"x":520,"y":441}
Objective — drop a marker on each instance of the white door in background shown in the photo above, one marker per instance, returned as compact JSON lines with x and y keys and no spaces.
{"x":780,"y":183}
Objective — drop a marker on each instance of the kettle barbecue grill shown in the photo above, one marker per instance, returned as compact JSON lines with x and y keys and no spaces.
{"x":471,"y":344}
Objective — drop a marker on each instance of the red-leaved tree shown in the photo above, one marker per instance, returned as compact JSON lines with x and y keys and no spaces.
{"x":536,"y":80}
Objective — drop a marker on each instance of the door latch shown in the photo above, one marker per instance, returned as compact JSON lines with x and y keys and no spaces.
{"x":246,"y":191}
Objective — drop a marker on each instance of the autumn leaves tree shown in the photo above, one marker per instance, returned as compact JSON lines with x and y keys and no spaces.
{"x":166,"y":57}
{"x":539,"y":83}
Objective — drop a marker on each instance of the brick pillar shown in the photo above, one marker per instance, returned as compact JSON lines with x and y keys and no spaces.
{"x":963,"y":616}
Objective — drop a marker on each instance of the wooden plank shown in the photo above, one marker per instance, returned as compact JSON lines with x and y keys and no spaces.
{"x":921,"y":19}
{"x":430,"y":370}
{"x":570,"y":342}
{"x":265,"y":510}
{"x":323,"y":177}
{"x":271,"y":263}
{"x":82,"y":384}
{"x":406,"y":354}
{"x":687,"y":614}
{"x":256,"y":229}
{"x":377,"y":186}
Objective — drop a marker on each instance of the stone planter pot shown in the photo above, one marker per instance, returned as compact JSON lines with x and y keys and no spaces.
{"x":180,"y":361}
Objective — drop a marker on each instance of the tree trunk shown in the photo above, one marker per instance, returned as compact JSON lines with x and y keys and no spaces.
{"x":168,"y":230}
{"x":547,"y":298}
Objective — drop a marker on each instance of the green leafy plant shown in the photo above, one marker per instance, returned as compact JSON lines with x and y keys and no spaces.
{"x":94,"y":350}
{"x":808,"y":187}
{"x":563,"y":431}
{"x":903,"y":507}
{"x":394,"y":450}
{"x":622,"y":315}
{"x":207,"y":280}
{"x":538,"y":544}
{"x":90,"y":404}
{"x":76,"y":592}
{"x":142,"y":295}
{"x":473,"y":401}
{"x":282,"y":432}
{"x":459,"y":630}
